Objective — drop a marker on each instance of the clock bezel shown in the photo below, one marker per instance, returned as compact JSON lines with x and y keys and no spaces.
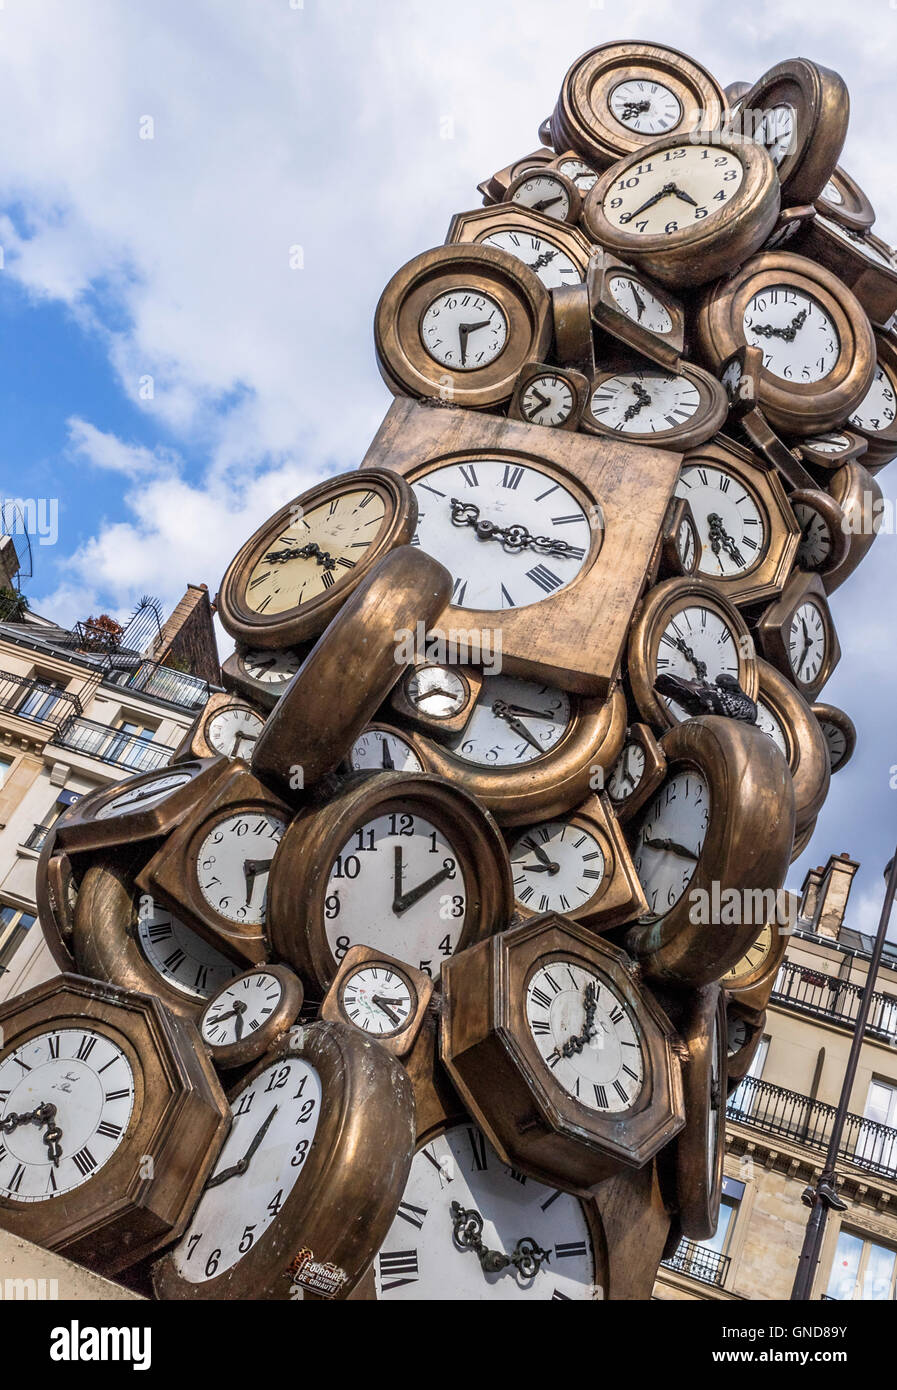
{"x":856,"y":213}
{"x":821,"y":105}
{"x":420,"y":987}
{"x":534,"y":371}
{"x":663,"y":348}
{"x":804,"y":586}
{"x":807,"y":757}
{"x":708,"y":418}
{"x":833,"y":715}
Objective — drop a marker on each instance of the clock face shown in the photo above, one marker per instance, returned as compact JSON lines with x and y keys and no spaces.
{"x":752,"y":959}
{"x":557,"y":867}
{"x":772,"y":727}
{"x":397,"y":885}
{"x":670,"y":839}
{"x":815,"y":537}
{"x":464,"y":329}
{"x":876,"y":410}
{"x":143,"y":798}
{"x":736,"y":1035}
{"x":437,"y":691}
{"x":698,"y":644}
{"x":582,"y":174}
{"x":832,"y":193}
{"x":270,"y":668}
{"x":241,"y":1008}
{"x":627,"y":772}
{"x":552,"y":265}
{"x":513,"y":722}
{"x":828,"y":443}
{"x":713,"y":1117}
{"x":776,"y":131}
{"x":234,"y":730}
{"x":384,"y":750}
{"x":74,"y":1080}
{"x":806,"y":642}
{"x":543,"y":193}
{"x":798,"y":340}
{"x":459,"y":1175}
{"x":275,"y":1118}
{"x":729,"y":520}
{"x":490,"y":574}
{"x":686,"y":545}
{"x":675,"y":189}
{"x":547,"y":400}
{"x":317,"y":548}
{"x":649,"y":108}
{"x":866,"y":248}
{"x":640,"y":304}
{"x":835,"y":740}
{"x":186,"y":960}
{"x":586,"y":1036}
{"x":645,"y":401}
{"x":377,"y":999}
{"x":233,"y":863}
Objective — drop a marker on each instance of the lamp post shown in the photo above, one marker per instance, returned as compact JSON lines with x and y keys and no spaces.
{"x":823,"y":1196}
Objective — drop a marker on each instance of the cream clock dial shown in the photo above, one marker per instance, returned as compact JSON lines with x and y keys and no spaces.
{"x":815,"y":539}
{"x":776,"y":131}
{"x":142,"y":798}
{"x":544,"y":194}
{"x":798,"y":340}
{"x":586,"y":1036}
{"x":66,"y":1098}
{"x":699,"y":645}
{"x":581,"y":173}
{"x":876,"y":410}
{"x":807,"y":642}
{"x":670,"y":838}
{"x":677,"y":188}
{"x":540,"y":254}
{"x":513,"y":722}
{"x":736,"y":1035}
{"x":557,"y":867}
{"x":241,"y":1008}
{"x":270,"y":668}
{"x":463,"y":329}
{"x":547,"y":400}
{"x":638,"y":303}
{"x":649,"y":108}
{"x":384,"y":750}
{"x":234,"y":730}
{"x":437,"y":691}
{"x":186,"y":960}
{"x":377,"y":1000}
{"x":646,"y":401}
{"x":752,"y":958}
{"x":627,"y":772}
{"x":772,"y":727}
{"x":233,"y":863}
{"x":729,"y":520}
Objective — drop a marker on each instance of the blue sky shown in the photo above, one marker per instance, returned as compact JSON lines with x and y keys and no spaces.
{"x":353,"y":131}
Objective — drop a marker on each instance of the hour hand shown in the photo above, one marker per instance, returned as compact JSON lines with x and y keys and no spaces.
{"x":673,"y":847}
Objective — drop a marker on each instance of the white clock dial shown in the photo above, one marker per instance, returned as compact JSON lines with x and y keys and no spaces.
{"x":736,"y":1036}
{"x":686,"y":544}
{"x":270,"y":668}
{"x":552,"y":265}
{"x":383,"y":750}
{"x":835,"y":741}
{"x":513,"y":722}
{"x":234,"y":730}
{"x":876,"y":409}
{"x":645,"y":106}
{"x":547,"y":400}
{"x":186,"y":960}
{"x":557,"y":867}
{"x":397,"y":885}
{"x":490,"y":574}
{"x":464,"y":329}
{"x":828,"y":443}
{"x":832,"y":193}
{"x":806,"y":642}
{"x":776,"y":132}
{"x":314,"y":550}
{"x":377,"y":1000}
{"x":582,"y":174}
{"x":699,"y":645}
{"x":772,"y":727}
{"x":586,"y":1036}
{"x":861,"y":243}
{"x":675,"y":189}
{"x":627,"y":772}
{"x":815,"y":538}
{"x":543,"y":193}
{"x":646,"y":401}
{"x":234,"y":861}
{"x":241,"y":1008}
{"x":74,"y":1079}
{"x":144,"y":797}
{"x":437,"y":691}
{"x":670,"y":839}
{"x":729,"y":520}
{"x":460,"y":1173}
{"x":275,"y":1118}
{"x":752,"y":958}
{"x":798,"y":340}
{"x":640,"y":304}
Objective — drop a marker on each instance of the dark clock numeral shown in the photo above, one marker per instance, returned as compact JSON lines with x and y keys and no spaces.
{"x":399,"y":1266}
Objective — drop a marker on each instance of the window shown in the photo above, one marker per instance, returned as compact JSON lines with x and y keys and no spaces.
{"x":126,"y":747}
{"x":877,"y":1141}
{"x":5,"y":765}
{"x":744,"y":1096}
{"x":40,"y":701}
{"x":706,"y":1259}
{"x":862,"y":1270}
{"x":14,"y":924}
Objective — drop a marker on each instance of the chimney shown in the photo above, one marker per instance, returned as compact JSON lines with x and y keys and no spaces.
{"x":188,"y":640}
{"x":833,"y":892}
{"x":809,"y":896}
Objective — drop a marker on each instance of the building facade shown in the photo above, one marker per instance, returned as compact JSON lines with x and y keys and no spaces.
{"x":780,"y":1118}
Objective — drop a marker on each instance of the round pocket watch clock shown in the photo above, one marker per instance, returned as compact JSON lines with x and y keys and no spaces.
{"x":633,"y":309}
{"x":800,"y":112}
{"x":383,"y":748}
{"x":261,"y":675}
{"x":646,"y":404}
{"x":496,"y":187}
{"x":844,"y":201}
{"x":576,"y":169}
{"x":436,"y":697}
{"x":694,"y":1160}
{"x":383,"y":997}
{"x":839,"y":732}
{"x":578,"y":864}
{"x":638,"y":771}
{"x":618,"y":97}
{"x":832,"y":450}
{"x":686,"y":211}
{"x":744,"y":1033}
{"x":784,"y":715}
{"x":554,"y":251}
{"x":143,"y":807}
{"x":458,"y":323}
{"x":249,"y":1014}
{"x":817,"y":344}
{"x":309,"y":1179}
{"x":685,"y":627}
{"x":292,"y":576}
{"x":824,"y":538}
{"x":796,"y":633}
{"x":551,"y":396}
{"x":93,"y":1080}
{"x":720,"y":826}
{"x":226,"y":728}
{"x":752,"y":978}
{"x":547,"y":191}
{"x":875,"y":417}
{"x":56,"y":885}
{"x":406,"y":863}
{"x":564,"y":1061}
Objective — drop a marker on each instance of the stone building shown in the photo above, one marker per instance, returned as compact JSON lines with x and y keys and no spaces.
{"x":780,"y":1118}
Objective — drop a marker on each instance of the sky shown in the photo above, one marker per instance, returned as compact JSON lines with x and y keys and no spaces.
{"x":199,"y":206}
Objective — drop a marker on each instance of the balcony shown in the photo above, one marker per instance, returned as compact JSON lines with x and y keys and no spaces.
{"x":38,"y":837}
{"x":824,"y":996}
{"x":159,"y":682}
{"x":111,"y":745}
{"x":708,"y":1266}
{"x":36,"y":701}
{"x":865,"y":1144}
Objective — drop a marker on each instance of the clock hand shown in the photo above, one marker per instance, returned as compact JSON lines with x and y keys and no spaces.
{"x":539,"y":852}
{"x":543,"y":260}
{"x":685,"y":649}
{"x":720,"y":538}
{"x":239,"y":1008}
{"x":546,"y":203}
{"x":306,"y":552}
{"x":635,"y":108}
{"x":639,"y":302}
{"x":467,"y":1233}
{"x":673,"y":847}
{"x":386,"y":759}
{"x":513,"y":537}
{"x":242,"y":738}
{"x":686,"y":197}
{"x":590,"y":1005}
{"x":500,"y":709}
{"x":43,"y":1114}
{"x":383,"y":1005}
{"x":662,"y":193}
{"x":464,"y":330}
{"x":251,"y":869}
{"x":641,"y":399}
{"x":543,"y":400}
{"x":396,"y":877}
{"x":534,"y":713}
{"x":243,"y":1163}
{"x":437,"y":690}
{"x":407,"y":900}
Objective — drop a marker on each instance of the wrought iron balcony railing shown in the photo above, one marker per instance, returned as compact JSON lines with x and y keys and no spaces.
{"x":812,"y":992}
{"x":112,"y":745}
{"x":698,"y":1263}
{"x":36,"y":701}
{"x":37,"y":838}
{"x":865,"y":1144}
{"x":161,"y":682}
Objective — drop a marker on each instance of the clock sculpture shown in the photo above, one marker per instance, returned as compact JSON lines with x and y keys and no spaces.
{"x":430,"y":960}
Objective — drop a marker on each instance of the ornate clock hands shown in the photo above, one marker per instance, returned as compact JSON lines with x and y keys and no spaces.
{"x":513,"y":537}
{"x":467,"y":1233}
{"x":635,"y":108}
{"x":642,"y":398}
{"x":542,"y":261}
{"x":43,"y":1114}
{"x":721,"y":540}
{"x":768,"y":330}
{"x":240,"y":1167}
{"x":306,"y":552}
{"x":673,"y":847}
{"x":590,"y":1006}
{"x":685,"y":649}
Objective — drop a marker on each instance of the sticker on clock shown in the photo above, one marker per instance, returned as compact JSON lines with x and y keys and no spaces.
{"x":316,"y":1276}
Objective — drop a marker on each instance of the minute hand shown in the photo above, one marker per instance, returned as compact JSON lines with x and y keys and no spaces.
{"x":401,"y":904}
